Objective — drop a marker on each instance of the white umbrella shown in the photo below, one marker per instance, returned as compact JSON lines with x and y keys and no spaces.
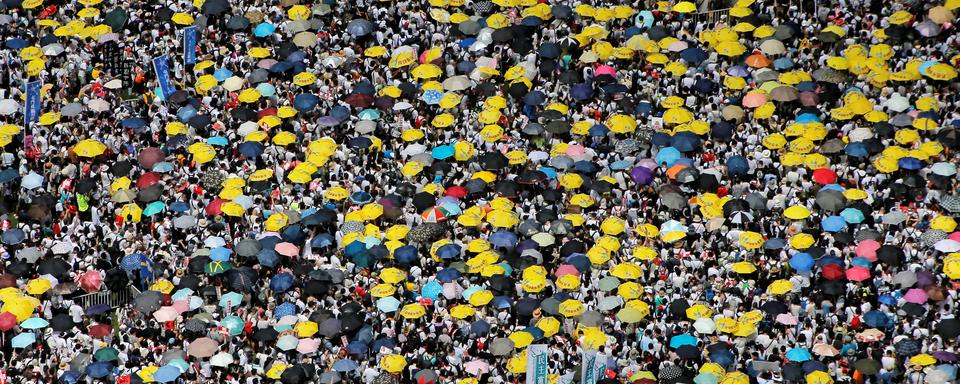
{"x":947,"y":245}
{"x":31,"y":180}
{"x":457,"y":83}
{"x":403,"y":105}
{"x":233,"y":83}
{"x":52,"y":49}
{"x":8,"y":106}
{"x":62,"y":248}
{"x":247,"y":128}
{"x":221,"y":359}
{"x":365,"y":126}
{"x":114,"y":84}
{"x":98,"y":105}
{"x":413,"y":149}
{"x":705,"y":325}
{"x":860,"y":134}
{"x":897,"y":103}
{"x":944,"y":169}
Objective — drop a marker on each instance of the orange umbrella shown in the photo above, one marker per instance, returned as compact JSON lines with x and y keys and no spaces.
{"x":758,"y":60}
{"x":674,"y":170}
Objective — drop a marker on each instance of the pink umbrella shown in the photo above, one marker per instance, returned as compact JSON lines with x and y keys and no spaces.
{"x":566,"y":269}
{"x":287,"y":249}
{"x":91,"y":281}
{"x":576,"y":150}
{"x":754,"y":100}
{"x":954,"y":236}
{"x":165,"y":314}
{"x":306,"y":346}
{"x":868,"y":249}
{"x":605,"y":70}
{"x":477,"y":367}
{"x":786,"y":319}
{"x":916,"y":296}
{"x":181,"y":306}
{"x":452,"y":290}
{"x":858,"y":274}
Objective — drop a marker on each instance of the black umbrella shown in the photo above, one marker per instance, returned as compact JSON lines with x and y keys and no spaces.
{"x":294,"y":375}
{"x":949,"y":328}
{"x":907,"y":347}
{"x":56,"y":267}
{"x":61,"y":322}
{"x":493,"y":161}
{"x":116,"y":279}
{"x":215,"y":7}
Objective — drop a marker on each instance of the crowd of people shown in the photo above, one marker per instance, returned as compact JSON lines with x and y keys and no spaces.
{"x":376,"y":192}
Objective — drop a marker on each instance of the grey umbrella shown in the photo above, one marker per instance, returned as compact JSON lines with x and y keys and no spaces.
{"x":894,"y":218}
{"x":359,"y":27}
{"x":147,"y":301}
{"x":529,"y":227}
{"x":672,"y":199}
{"x":687,"y":175}
{"x":195,"y":325}
{"x":905,"y":279}
{"x":30,"y":255}
{"x":501,"y":346}
{"x":868,"y":234}
{"x":248,"y":247}
{"x":173,"y":354}
{"x":352,"y":226}
{"x":71,"y":109}
{"x":426,"y":376}
{"x":932,"y":236}
{"x":757,"y":201}
{"x":783,"y":32}
{"x":329,"y":377}
{"x":258,"y":75}
{"x":551,"y":306}
{"x":80,"y":361}
{"x":832,"y":146}
{"x":610,"y":303}
{"x":829,"y":75}
{"x":951,"y":203}
{"x":329,"y":327}
{"x":591,"y":318}
{"x":784,"y":93}
{"x":469,"y":27}
{"x":561,"y":227}
{"x":184,"y":222}
{"x":831,"y":200}
{"x":902,"y":120}
{"x":608,"y":283}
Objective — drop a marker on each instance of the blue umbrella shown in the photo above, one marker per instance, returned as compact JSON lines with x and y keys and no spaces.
{"x":549,"y":50}
{"x":133,"y":123}
{"x":222,"y":74}
{"x":802,"y":262}
{"x":220,"y":254}
{"x":70,"y":377}
{"x":581,"y":91}
{"x":833,"y":224}
{"x":166,"y":374}
{"x":738,"y":70}
{"x":910,"y":163}
{"x":281,"y":282}
{"x":266,"y":89}
{"x":876,"y":319}
{"x":783,"y":63}
{"x":23,"y":340}
{"x":693,"y":55}
{"x":799,"y":355}
{"x":668,"y":155}
{"x":722,"y":356}
{"x":447,"y":275}
{"x":660,"y":139}
{"x":860,"y":262}
{"x":250,"y":149}
{"x":231,"y":299}
{"x":852,"y":215}
{"x":264,"y":29}
{"x":97,"y":309}
{"x":406,"y":254}
{"x":432,"y":96}
{"x":99,"y":369}
{"x":722,"y":130}
{"x":285,"y":309}
{"x":34,"y":323}
{"x":705,"y":378}
{"x":807,"y":118}
{"x":505,"y":239}
{"x":431,"y":290}
{"x":681,"y":340}
{"x":598,"y":130}
{"x":361,"y":198}
{"x":887,"y":299}
{"x":8,"y":175}
{"x":132,"y":262}
{"x":774,"y":243}
{"x":857,"y":149}
{"x":737,"y":165}
{"x":480,"y":328}
{"x":449,"y":251}
{"x":281,"y":67}
{"x":359,"y":27}
{"x":163,"y":167}
{"x":345,"y":365}
{"x":305,"y":101}
{"x":268,"y":257}
{"x":388,"y":304}
{"x":443,"y":152}
{"x":16,"y":43}
{"x":534,"y":98}
{"x":13,"y":236}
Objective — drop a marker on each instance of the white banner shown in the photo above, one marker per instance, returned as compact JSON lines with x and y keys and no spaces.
{"x":537,"y":364}
{"x":593,"y":365}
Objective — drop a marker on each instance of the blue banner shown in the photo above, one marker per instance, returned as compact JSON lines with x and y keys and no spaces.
{"x":537,"y":364}
{"x":190,"y":45}
{"x":593,"y":366}
{"x":162,"y":68}
{"x":32,"y":108}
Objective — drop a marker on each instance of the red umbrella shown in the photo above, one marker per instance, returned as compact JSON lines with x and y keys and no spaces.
{"x":150,"y":156}
{"x":456,"y":191}
{"x":8,"y":280}
{"x":148,"y":179}
{"x":833,"y":272}
{"x":91,"y":281}
{"x":757,"y":60}
{"x":359,"y":100}
{"x":267,"y":112}
{"x":858,"y":273}
{"x":7,"y":321}
{"x":99,"y":331}
{"x":825,"y":176}
{"x":213,"y":208}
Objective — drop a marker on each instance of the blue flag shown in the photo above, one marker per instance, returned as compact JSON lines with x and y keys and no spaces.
{"x":146,"y":268}
{"x":162,"y":68}
{"x":32,"y":108}
{"x":190,"y":45}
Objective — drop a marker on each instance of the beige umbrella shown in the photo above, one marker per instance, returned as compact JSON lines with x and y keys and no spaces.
{"x":305,"y":39}
{"x":114,"y":84}
{"x":233,"y":83}
{"x":714,"y":224}
{"x":940,"y":14}
{"x":772,"y":47}
{"x":254,"y":16}
{"x":289,"y":3}
{"x":295,"y":26}
{"x":732,"y":112}
{"x":589,"y":57}
{"x":457,"y":83}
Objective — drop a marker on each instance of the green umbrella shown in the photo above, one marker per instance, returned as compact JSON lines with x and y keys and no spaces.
{"x":106,"y":354}
{"x":116,"y":18}
{"x":154,"y":208}
{"x":609,"y":283}
{"x":233,"y":324}
{"x":217,"y":267}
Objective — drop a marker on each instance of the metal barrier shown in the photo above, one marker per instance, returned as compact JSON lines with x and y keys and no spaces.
{"x":113,"y":299}
{"x":713,"y":16}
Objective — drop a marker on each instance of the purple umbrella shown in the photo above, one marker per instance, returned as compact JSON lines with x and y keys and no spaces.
{"x":916,"y":295}
{"x":944,"y":356}
{"x":641,"y":175}
{"x":925,"y":279}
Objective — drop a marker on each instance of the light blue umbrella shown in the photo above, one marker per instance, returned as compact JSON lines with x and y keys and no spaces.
{"x":681,"y":340}
{"x":799,"y":354}
{"x":219,"y":141}
{"x":23,"y":340}
{"x":264,"y":29}
{"x":388,"y":304}
{"x":163,"y":167}
{"x":369,"y":114}
{"x":431,"y":290}
{"x":852,"y":215}
{"x":181,"y":294}
{"x":154,"y":208}
{"x":220,"y":254}
{"x":705,"y":378}
{"x":443,"y":152}
{"x":668,"y":155}
{"x":34,"y":323}
{"x":179,"y":363}
{"x":345,"y":365}
{"x":166,"y":374}
{"x":266,"y":89}
{"x":470,"y":291}
{"x":233,"y":324}
{"x":432,"y":96}
{"x":232,"y":299}
{"x":833,"y":224}
{"x":222,"y":74}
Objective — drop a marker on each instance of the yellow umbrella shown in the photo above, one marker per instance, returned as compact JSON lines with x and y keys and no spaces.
{"x":571,"y":308}
{"x":412,"y":135}
{"x":258,"y":52}
{"x":774,"y":141}
{"x":304,"y":79}
{"x":462,"y":311}
{"x":249,"y":95}
{"x":480,"y":298}
{"x":393,"y":363}
{"x":726,"y":325}
{"x":426,"y":71}
{"x":497,"y":21}
{"x":944,"y":223}
{"x":276,"y":222}
{"x":735,"y":83}
{"x":802,"y":241}
{"x":298,"y":12}
{"x":743,"y":267}
{"x":951,"y":267}
{"x":582,"y":200}
{"x":517,"y":365}
{"x":284,"y":138}
{"x":925,"y":124}
{"x":276,"y":370}
{"x":779,"y":287}
{"x":382,"y":290}
{"x":677,"y":116}
{"x":900,"y":17}
{"x":502,"y":219}
{"x":402,"y":59}
{"x":684,"y":7}
{"x":819,"y":377}
{"x":205,"y":83}
{"x":941,"y":71}
{"x":613,"y":226}
{"x":306,"y":329}
{"x":796,"y":212}
{"x":906,"y":136}
{"x":735,"y":377}
{"x":49,"y":118}
{"x":629,"y":290}
{"x":182,"y":18}
{"x":413,"y":311}
{"x":922,"y":359}
{"x":38,"y":286}
{"x":672,"y":102}
{"x":621,"y":123}
{"x":730,"y":48}
{"x":750,"y":240}
{"x":626,"y":271}
{"x":698,"y":311}
{"x":89,"y":148}
{"x":549,"y":325}
{"x":336,"y":193}
{"x":568,"y":282}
